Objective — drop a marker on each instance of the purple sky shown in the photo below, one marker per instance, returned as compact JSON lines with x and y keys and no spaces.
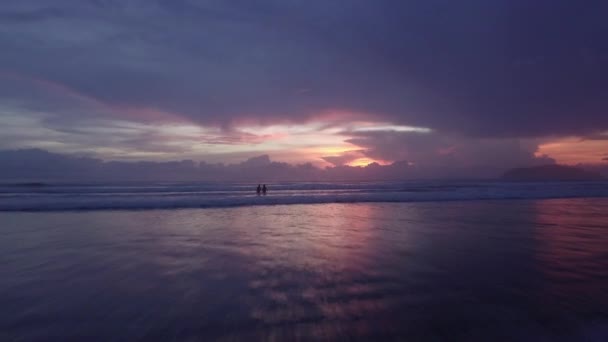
{"x":481,"y":85}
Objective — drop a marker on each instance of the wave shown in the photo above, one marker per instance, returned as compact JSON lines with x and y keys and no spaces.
{"x":45,"y":188}
{"x":108,"y":197}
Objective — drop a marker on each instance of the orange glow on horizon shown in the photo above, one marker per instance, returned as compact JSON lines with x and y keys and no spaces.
{"x":572,"y":151}
{"x":366,"y":161}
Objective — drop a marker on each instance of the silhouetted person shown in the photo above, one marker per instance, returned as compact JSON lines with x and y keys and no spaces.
{"x":264,"y":189}
{"x":259,"y":189}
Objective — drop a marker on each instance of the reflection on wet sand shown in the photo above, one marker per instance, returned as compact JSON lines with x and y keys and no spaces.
{"x":499,"y":270}
{"x":573,"y":253}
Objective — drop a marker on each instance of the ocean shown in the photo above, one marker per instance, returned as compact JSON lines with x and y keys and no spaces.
{"x":430,"y":261}
{"x":101,"y":196}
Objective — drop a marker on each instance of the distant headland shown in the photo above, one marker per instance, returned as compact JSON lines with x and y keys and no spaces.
{"x":551,"y":173}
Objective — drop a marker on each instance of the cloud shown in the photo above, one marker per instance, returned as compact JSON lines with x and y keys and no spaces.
{"x":598,"y":136}
{"x":41,"y":165}
{"x":440,"y":151}
{"x":344,"y":158}
{"x":497,"y":68}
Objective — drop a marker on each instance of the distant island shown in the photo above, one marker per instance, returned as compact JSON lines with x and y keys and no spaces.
{"x":551,"y":173}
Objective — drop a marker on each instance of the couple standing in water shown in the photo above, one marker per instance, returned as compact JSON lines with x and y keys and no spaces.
{"x":261,"y":189}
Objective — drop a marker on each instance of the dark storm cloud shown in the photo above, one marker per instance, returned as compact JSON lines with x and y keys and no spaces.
{"x":437,"y":150}
{"x":481,"y":67}
{"x":40,"y":165}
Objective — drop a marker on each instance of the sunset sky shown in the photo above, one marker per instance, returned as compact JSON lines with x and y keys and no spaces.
{"x":500,"y":83}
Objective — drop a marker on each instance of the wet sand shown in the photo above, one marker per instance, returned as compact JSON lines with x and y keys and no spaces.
{"x":494,"y":271}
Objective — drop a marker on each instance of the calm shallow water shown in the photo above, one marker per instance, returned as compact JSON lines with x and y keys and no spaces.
{"x":498,"y":270}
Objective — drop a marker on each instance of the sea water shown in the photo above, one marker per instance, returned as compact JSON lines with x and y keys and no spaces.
{"x":99,"y":196}
{"x":445,"y":265}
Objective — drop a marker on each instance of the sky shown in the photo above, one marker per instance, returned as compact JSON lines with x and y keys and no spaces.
{"x":436,"y":88}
